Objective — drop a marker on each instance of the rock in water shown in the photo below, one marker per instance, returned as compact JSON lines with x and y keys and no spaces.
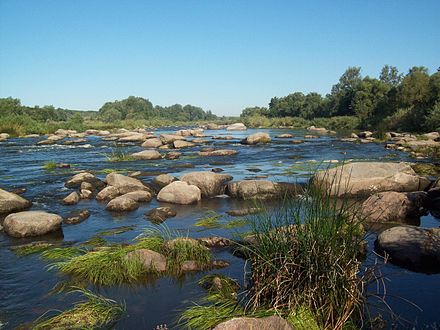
{"x":260,"y":189}
{"x":122,"y":204}
{"x":160,"y":214}
{"x":367,"y":178}
{"x":179,"y":192}
{"x":124,"y":183}
{"x":152,"y":143}
{"x":163,"y":180}
{"x":151,"y":260}
{"x":412,"y":247}
{"x":220,"y":152}
{"x":77,"y":218}
{"x":31,"y":223}
{"x":147,"y":155}
{"x":236,"y":127}
{"x":257,"y":138}
{"x":10,"y":202}
{"x":394,"y":206}
{"x":210,"y":184}
{"x":252,"y":323}
{"x":71,"y":199}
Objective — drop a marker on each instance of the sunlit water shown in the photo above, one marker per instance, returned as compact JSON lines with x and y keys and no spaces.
{"x":25,"y":282}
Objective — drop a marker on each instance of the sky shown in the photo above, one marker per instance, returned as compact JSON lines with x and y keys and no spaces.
{"x":222,"y":55}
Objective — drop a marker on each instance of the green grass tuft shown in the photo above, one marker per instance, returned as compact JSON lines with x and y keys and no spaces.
{"x":184,"y":249}
{"x":50,"y":165}
{"x":237,"y":223}
{"x":61,"y":253}
{"x":210,"y":220}
{"x":93,"y":313}
{"x":27,"y":249}
{"x":115,"y":231}
{"x":118,"y":155}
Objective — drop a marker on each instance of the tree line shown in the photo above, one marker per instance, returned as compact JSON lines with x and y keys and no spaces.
{"x":393,"y":101}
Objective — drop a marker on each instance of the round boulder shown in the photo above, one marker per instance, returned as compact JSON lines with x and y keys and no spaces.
{"x":210,"y":184}
{"x":179,"y":192}
{"x":122,"y":204}
{"x":10,"y":202}
{"x":257,"y":138}
{"x":31,"y":223}
{"x":163,"y":180}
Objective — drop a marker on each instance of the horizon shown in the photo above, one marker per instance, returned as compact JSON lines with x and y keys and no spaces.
{"x":222,"y":57}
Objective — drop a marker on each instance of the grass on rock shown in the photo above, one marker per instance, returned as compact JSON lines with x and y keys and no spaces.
{"x":118,"y":155}
{"x":95,"y":312}
{"x":50,"y":165}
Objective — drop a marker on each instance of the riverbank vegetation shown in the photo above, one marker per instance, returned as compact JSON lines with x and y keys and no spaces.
{"x":394,"y":101}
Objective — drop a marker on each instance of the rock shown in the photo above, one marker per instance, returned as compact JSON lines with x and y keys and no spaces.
{"x":45,"y":142}
{"x":245,"y":211}
{"x":87,"y":186}
{"x":297,"y":141}
{"x":367,"y":178}
{"x":311,"y":137}
{"x":139,"y":196}
{"x":163,"y":180}
{"x":122,"y":204}
{"x":317,"y":129}
{"x":31,"y":223}
{"x":215,"y":241}
{"x":365,"y":134}
{"x":150,"y":259}
{"x":199,"y":140}
{"x":354,"y":136}
{"x":55,"y":138}
{"x":220,"y":152}
{"x":124,"y":183}
{"x":412,"y":247}
{"x":76,"y":180}
{"x":236,"y":127}
{"x":77,"y":218}
{"x":284,"y":136}
{"x":170,"y":138}
{"x":152,"y":143}
{"x":432,"y":135}
{"x":210,"y":184}
{"x":71,"y":199}
{"x":136,"y":137}
{"x":252,"y":323}
{"x":173,"y":155}
{"x":18,"y":191}
{"x":217,"y":170}
{"x":147,"y":155}
{"x":4,"y":136}
{"x":10,"y":202}
{"x":395,"y":207}
{"x":182,"y":144}
{"x":257,"y":138}
{"x":160,"y":214}
{"x":179,"y":192}
{"x":259,"y":189}
{"x":212,"y":126}
{"x":107,"y":194}
{"x":227,"y":137}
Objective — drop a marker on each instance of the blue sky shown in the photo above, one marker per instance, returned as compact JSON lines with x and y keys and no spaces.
{"x":220,"y":55}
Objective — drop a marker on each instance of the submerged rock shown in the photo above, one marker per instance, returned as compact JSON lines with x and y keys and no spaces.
{"x":252,"y":323}
{"x":31,"y":223}
{"x":394,"y":206}
{"x":10,"y":202}
{"x":210,"y":184}
{"x":244,"y":211}
{"x":78,"y":217}
{"x":257,"y":138}
{"x":173,"y":155}
{"x":285,"y":136}
{"x":179,"y":192}
{"x":367,"y":178}
{"x":412,"y":247}
{"x":160,"y":214}
{"x":151,"y":260}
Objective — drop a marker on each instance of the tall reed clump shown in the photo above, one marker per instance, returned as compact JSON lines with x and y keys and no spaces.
{"x":307,"y":254}
{"x":95,"y":312}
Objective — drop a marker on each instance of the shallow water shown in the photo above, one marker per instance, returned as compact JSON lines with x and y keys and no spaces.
{"x":25,"y":282}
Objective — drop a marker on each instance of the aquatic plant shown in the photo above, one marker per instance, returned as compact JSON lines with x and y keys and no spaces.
{"x":118,"y":155}
{"x":211,"y":219}
{"x":236,"y":223}
{"x":92,"y":313}
{"x":115,"y":231}
{"x":27,"y":249}
{"x":306,"y":254}
{"x":61,"y":253}
{"x":50,"y":165}
{"x":182,"y":249}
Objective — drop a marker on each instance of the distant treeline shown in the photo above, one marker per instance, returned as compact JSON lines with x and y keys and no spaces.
{"x":394,"y":101}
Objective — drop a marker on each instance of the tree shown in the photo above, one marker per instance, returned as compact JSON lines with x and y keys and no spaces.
{"x":390,"y":75}
{"x":343,"y":92}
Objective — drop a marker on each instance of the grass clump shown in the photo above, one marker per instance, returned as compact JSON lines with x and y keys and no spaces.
{"x":237,"y":223}
{"x":61,"y":253}
{"x":50,"y":165}
{"x":118,"y":155}
{"x":306,"y":255}
{"x":28,"y":249}
{"x":210,"y":220}
{"x":115,"y":231}
{"x":182,"y":249}
{"x":93,"y":313}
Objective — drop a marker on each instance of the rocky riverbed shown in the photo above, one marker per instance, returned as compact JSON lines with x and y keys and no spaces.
{"x":69,"y":188}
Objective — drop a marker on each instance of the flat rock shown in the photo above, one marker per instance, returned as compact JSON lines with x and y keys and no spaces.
{"x":170,"y":138}
{"x":260,"y":189}
{"x":251,"y":323}
{"x":124,"y":183}
{"x":31,"y":223}
{"x":236,"y":127}
{"x":147,"y":155}
{"x":152,"y":143}
{"x":182,"y":144}
{"x":10,"y":202}
{"x":220,"y":152}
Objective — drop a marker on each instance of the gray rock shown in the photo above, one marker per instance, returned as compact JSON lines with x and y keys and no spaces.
{"x":163,"y":180}
{"x":152,"y":143}
{"x":260,"y":189}
{"x":412,"y":247}
{"x":147,"y":155}
{"x":179,"y":192}
{"x":182,"y":144}
{"x":236,"y":127}
{"x":152,"y":261}
{"x":220,"y":152}
{"x":122,"y":204}
{"x":124,"y":183}
{"x":31,"y":223}
{"x":71,"y":199}
{"x":367,"y":178}
{"x":257,"y":138}
{"x":78,"y":217}
{"x":160,"y":214}
{"x":210,"y":184}
{"x":139,"y":196}
{"x":251,"y":323}
{"x":10,"y":202}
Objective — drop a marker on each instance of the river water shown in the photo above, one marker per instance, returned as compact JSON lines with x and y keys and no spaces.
{"x":26,"y":282}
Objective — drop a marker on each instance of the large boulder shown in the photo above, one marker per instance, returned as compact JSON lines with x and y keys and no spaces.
{"x":147,"y":155}
{"x":170,"y":138}
{"x":178,"y":144}
{"x":252,"y":323}
{"x":179,"y":192}
{"x":108,"y":193}
{"x":135,"y":137}
{"x":151,"y":260}
{"x":260,"y":189}
{"x":163,"y":180}
{"x":10,"y":202}
{"x":124,"y":183}
{"x":31,"y":223}
{"x":257,"y":138}
{"x":236,"y":127}
{"x":367,"y":178}
{"x":394,"y":206}
{"x":211,"y":184}
{"x":220,"y":152}
{"x":76,"y":180}
{"x":152,"y":143}
{"x":412,"y":247}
